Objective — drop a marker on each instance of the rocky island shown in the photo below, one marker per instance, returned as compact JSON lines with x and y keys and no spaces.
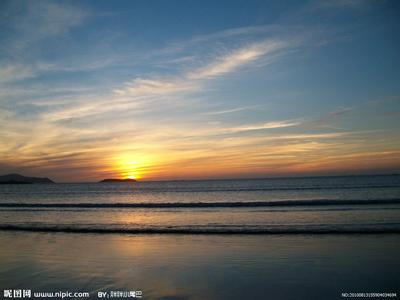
{"x":117,"y":180}
{"x":20,"y":179}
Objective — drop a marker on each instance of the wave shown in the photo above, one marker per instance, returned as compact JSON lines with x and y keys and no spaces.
{"x":143,"y":189}
{"x":281,"y":203}
{"x":256,"y":189}
{"x":243,"y":230}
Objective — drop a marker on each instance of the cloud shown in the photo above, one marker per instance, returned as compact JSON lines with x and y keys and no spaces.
{"x":12,"y":72}
{"x":268,"y":125}
{"x":15,"y":71}
{"x":150,"y":87}
{"x":27,"y":24}
{"x":146,"y":91}
{"x":33,"y":21}
{"x":225,"y":37}
{"x":340,"y":111}
{"x":237,"y":58}
{"x":228,"y":111}
{"x":332,"y":115}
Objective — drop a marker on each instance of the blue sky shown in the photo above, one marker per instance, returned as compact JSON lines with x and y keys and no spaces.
{"x":199,"y":89}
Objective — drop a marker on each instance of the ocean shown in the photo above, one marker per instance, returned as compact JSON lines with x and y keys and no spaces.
{"x":285,"y":238}
{"x":280,"y":205}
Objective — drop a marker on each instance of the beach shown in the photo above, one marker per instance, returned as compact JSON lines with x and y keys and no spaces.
{"x":201,"y":266}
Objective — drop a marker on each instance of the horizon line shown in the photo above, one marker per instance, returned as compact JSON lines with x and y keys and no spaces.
{"x":228,"y":179}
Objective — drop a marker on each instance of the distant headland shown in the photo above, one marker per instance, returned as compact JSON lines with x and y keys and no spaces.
{"x":20,"y":179}
{"x":117,"y":180}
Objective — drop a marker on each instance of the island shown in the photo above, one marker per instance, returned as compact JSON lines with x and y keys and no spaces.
{"x":20,"y":179}
{"x":117,"y":180}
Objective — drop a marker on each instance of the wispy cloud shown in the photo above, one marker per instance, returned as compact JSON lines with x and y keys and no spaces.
{"x":34,"y":21}
{"x":15,"y":71}
{"x":232,"y":110}
{"x":30,"y":23}
{"x":145,"y":91}
{"x":238,"y":58}
{"x":335,"y":114}
{"x":150,"y":87}
{"x":268,"y":125}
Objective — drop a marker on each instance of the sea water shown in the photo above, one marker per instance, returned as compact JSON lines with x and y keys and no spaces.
{"x":353,"y":204}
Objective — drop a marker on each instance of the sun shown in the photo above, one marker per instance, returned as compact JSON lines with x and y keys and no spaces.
{"x":131,"y":170}
{"x":132,"y":166}
{"x":135,"y":176}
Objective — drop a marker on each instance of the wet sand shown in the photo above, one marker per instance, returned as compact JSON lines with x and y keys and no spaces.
{"x":202,"y":266}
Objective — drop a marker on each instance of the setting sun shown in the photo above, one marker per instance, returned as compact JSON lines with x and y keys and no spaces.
{"x":132,"y":166}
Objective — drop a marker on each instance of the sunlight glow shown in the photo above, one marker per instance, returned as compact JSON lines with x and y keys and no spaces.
{"x":132,"y":165}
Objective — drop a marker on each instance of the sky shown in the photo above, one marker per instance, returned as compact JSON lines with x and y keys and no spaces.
{"x":166,"y":90}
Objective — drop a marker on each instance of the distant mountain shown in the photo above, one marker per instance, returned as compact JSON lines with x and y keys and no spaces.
{"x":117,"y":180}
{"x":20,"y":179}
